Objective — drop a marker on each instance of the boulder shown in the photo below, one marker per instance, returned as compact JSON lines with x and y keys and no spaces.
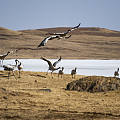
{"x":95,"y":84}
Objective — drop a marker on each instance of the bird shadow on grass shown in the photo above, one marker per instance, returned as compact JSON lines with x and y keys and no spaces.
{"x":3,"y":75}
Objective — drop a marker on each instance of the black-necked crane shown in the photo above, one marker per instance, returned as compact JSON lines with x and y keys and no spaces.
{"x":61,"y":72}
{"x":52,"y":67}
{"x":73,"y":72}
{"x":63,"y":34}
{"x":76,"y":27}
{"x":57,"y":35}
{"x":19,"y":66}
{"x":116,"y":73}
{"x":10,"y":68}
{"x":44,"y":42}
{"x":2,"y":57}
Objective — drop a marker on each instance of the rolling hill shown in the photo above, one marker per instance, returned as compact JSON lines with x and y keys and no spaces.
{"x":85,"y":43}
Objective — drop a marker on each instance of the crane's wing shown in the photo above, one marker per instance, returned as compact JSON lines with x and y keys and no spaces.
{"x":49,"y":63}
{"x":65,"y":33}
{"x":68,"y":36}
{"x":76,"y":27}
{"x":55,"y":63}
{"x":43,"y":43}
{"x":8,"y":67}
{"x":57,"y":33}
{"x":53,"y":37}
{"x":60,"y":34}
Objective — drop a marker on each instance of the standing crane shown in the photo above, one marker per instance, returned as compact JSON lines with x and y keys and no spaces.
{"x":10,"y":68}
{"x":61,"y":72}
{"x":73,"y":72}
{"x":116,"y":73}
{"x":19,"y":66}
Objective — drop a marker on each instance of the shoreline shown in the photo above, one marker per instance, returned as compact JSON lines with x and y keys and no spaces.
{"x":9,"y":58}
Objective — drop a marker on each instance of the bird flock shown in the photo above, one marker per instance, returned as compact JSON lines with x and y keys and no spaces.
{"x":9,"y":67}
{"x":51,"y":67}
{"x":58,"y":36}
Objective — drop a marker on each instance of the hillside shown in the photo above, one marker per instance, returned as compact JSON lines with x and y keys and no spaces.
{"x":85,"y":43}
{"x":5,"y":32}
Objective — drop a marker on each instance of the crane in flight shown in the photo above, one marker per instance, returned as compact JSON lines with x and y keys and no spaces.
{"x":58,"y":36}
{"x":63,"y":34}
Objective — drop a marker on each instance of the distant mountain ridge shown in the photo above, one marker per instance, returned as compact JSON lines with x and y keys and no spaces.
{"x":46,"y":31}
{"x":81,"y":30}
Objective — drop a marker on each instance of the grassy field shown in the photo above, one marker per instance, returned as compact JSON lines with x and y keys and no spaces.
{"x":37,"y":96}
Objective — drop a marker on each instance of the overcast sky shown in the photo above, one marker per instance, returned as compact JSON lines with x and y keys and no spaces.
{"x":36,"y":14}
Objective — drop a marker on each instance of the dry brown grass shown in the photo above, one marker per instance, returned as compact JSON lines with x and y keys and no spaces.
{"x":7,"y":32}
{"x":85,"y":43}
{"x":36,"y":96}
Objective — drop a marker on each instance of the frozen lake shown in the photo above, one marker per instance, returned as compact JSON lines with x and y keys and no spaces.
{"x":84,"y":67}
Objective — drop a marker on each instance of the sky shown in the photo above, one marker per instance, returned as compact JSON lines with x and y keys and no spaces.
{"x":37,"y":14}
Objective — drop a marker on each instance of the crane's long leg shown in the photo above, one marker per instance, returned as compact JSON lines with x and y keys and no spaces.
{"x":74,"y":76}
{"x":14,"y":75}
{"x":8,"y":75}
{"x":47,"y":72}
{"x":52,"y":74}
{"x":19,"y":73}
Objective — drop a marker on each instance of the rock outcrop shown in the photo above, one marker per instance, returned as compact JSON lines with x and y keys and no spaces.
{"x":95,"y":84}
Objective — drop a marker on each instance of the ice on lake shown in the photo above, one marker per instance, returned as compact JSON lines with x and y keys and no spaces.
{"x":84,"y":67}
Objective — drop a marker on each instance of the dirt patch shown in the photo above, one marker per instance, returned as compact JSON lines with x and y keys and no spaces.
{"x":95,"y":84}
